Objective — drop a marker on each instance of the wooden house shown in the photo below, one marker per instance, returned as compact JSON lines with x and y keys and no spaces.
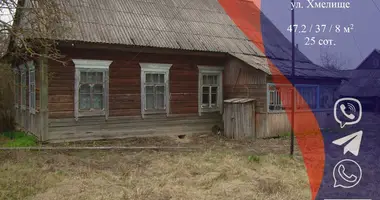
{"x":138,"y":68}
{"x":363,"y":82}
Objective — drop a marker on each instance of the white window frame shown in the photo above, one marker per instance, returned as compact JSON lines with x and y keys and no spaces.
{"x":82,"y":65}
{"x":23,"y":89}
{"x":210,"y":70}
{"x":32,"y":81}
{"x":155,"y":68}
{"x":276,"y":96}
{"x":17,"y":81}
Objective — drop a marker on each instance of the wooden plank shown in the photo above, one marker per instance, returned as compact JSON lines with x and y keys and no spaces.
{"x":133,"y":119}
{"x":133,"y":125}
{"x":123,"y":133}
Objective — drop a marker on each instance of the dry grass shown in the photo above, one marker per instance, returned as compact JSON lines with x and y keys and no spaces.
{"x":216,"y":173}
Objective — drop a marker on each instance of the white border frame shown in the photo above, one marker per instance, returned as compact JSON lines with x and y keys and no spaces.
{"x":97,"y":65}
{"x":217,"y":70}
{"x":160,"y":68}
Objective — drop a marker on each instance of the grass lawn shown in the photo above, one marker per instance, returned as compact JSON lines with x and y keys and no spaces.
{"x":224,"y":170}
{"x":17,"y":139}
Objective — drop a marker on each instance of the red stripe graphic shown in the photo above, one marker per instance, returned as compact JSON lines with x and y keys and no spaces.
{"x":246,"y":15}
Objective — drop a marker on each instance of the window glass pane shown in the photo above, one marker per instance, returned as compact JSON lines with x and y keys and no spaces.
{"x":162,"y":78}
{"x":98,"y":89}
{"x":33,"y":100}
{"x":32,"y":77}
{"x":205,"y":98}
{"x":99,"y":77}
{"x":97,"y":101}
{"x":210,"y":80}
{"x":149,"y":90}
{"x":83,"y":77}
{"x":91,"y":77}
{"x":160,"y":89}
{"x":85,"y":89}
{"x":307,"y":97}
{"x":148,"y":78}
{"x":84,"y":102}
{"x":160,"y":99}
{"x":205,"y":82}
{"x":326,"y":97}
{"x":149,"y":101}
{"x":205,"y":90}
{"x":215,"y":80}
{"x":214,"y":90}
{"x":155,"y":78}
{"x":213,"y":98}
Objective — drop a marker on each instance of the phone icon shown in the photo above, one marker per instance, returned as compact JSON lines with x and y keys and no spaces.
{"x":344,"y":179}
{"x":351,"y":109}
{"x":343,"y":109}
{"x":350,"y":179}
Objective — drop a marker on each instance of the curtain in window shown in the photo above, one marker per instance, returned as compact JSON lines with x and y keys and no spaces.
{"x":154,"y":91}
{"x":91,"y":91}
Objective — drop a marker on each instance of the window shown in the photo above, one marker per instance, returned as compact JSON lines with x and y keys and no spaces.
{"x":32,"y":88}
{"x":210,"y":89}
{"x":91,"y":87}
{"x":155,"y":91}
{"x":23,"y":86}
{"x":154,"y":88}
{"x":279,"y":97}
{"x":327,"y":97}
{"x":310,"y":96}
{"x":16,"y":87}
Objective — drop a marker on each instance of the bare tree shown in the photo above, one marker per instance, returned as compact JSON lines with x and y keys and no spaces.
{"x":32,"y":26}
{"x":28,"y":29}
{"x":333,"y":61}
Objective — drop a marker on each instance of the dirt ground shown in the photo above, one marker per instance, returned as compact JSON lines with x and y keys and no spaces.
{"x":222,"y":170}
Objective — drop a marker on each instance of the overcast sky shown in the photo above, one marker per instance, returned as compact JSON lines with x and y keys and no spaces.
{"x":354,"y":46}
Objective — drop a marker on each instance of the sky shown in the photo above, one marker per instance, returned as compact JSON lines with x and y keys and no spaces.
{"x":353,"y":47}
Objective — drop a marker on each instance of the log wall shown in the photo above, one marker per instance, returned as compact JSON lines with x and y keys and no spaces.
{"x":125,"y":97}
